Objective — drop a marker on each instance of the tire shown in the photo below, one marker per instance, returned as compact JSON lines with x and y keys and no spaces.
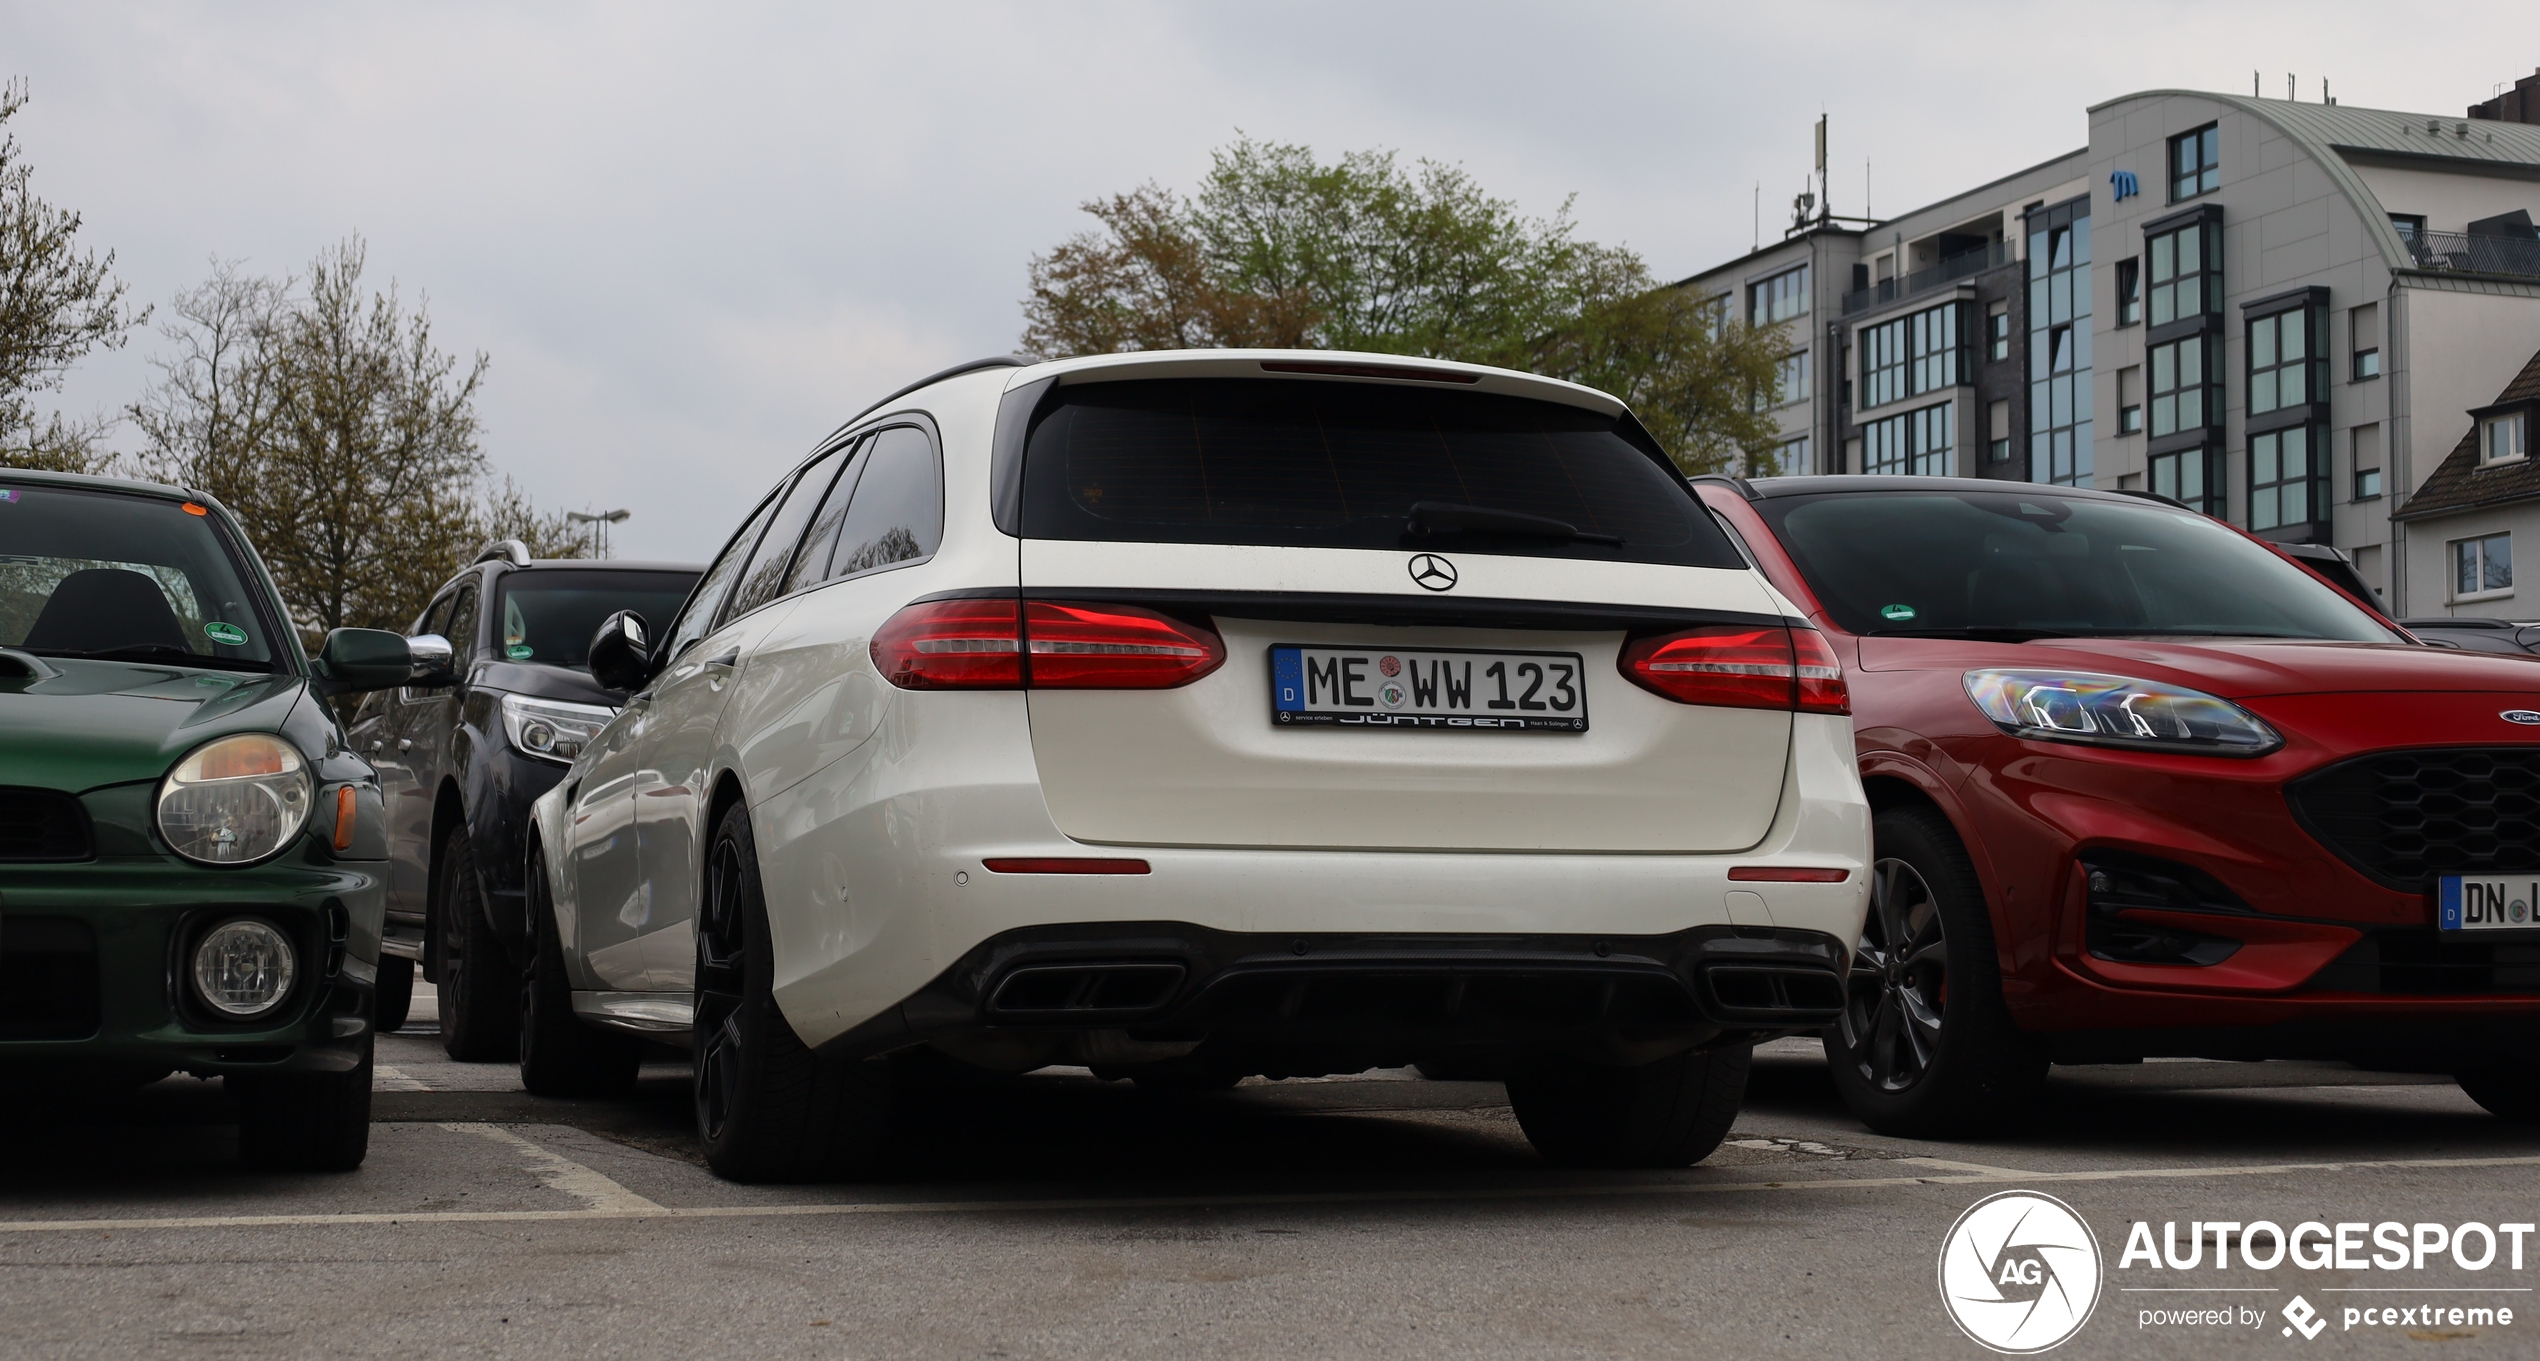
{"x":768,"y":1109}
{"x":1671,"y":1113}
{"x":1926,"y":1048}
{"x":304,"y":1122}
{"x":480,"y":987}
{"x":560,"y":1053}
{"x":393,"y":997}
{"x":2510,"y":1094}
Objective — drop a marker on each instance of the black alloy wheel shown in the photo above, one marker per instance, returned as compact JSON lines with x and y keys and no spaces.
{"x":1899,"y":982}
{"x":480,"y":986}
{"x":560,"y":1053}
{"x":768,"y":1108}
{"x":1925,"y":1047}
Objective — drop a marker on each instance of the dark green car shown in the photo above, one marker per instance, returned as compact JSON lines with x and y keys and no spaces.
{"x":190,"y":856}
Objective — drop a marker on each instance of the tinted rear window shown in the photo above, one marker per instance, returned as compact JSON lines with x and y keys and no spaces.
{"x":1340,"y":465}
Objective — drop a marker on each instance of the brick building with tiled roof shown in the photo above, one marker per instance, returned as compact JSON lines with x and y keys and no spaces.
{"x":2484,"y":494}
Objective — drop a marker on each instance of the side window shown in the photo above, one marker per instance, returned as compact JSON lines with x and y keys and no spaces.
{"x":764,"y":578}
{"x":462,"y":629}
{"x":434,"y":616}
{"x":697,"y":620}
{"x":898,"y":511}
{"x":812,"y":564}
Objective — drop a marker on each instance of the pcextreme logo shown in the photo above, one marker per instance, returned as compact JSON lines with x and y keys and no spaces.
{"x":2020,"y":1272}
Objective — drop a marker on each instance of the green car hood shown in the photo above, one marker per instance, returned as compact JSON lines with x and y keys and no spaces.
{"x":106,"y":722}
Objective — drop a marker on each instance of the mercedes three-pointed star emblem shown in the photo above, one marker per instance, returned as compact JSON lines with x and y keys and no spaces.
{"x":1434,"y":573}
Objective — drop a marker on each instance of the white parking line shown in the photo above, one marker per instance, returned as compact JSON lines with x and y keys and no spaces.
{"x":596,"y":1192}
{"x":636,"y":1207}
{"x":384,"y":1078}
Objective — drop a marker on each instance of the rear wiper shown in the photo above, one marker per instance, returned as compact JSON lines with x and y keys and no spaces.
{"x":2005,"y":633}
{"x":1429,"y":517}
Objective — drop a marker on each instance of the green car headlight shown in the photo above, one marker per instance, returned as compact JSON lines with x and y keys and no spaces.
{"x":236,"y":800}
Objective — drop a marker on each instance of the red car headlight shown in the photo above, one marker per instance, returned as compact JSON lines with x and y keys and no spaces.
{"x":2118,"y":711}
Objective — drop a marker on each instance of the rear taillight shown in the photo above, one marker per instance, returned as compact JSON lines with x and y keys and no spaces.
{"x":1001,"y":645}
{"x":1115,"y":647}
{"x":952,"y":645}
{"x":1740,"y":666}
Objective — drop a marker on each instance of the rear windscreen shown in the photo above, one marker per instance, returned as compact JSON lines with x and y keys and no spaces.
{"x":1341,"y":465}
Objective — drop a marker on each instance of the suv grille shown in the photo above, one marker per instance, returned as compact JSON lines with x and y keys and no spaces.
{"x":2404,"y":817}
{"x":42,"y":824}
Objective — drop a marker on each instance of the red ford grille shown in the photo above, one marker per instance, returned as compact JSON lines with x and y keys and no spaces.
{"x":41,"y":824}
{"x":2404,"y":817}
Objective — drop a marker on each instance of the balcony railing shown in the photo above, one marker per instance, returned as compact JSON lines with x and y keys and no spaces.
{"x":2460,"y":253}
{"x":1950,"y":269}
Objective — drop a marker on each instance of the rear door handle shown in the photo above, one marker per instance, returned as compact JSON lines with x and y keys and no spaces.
{"x":729,"y":657}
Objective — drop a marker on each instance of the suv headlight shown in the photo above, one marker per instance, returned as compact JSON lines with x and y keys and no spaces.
{"x":236,"y":800}
{"x":551,"y":729}
{"x":2118,"y":711}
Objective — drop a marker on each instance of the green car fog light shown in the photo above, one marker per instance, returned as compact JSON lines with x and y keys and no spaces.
{"x":243,"y":967}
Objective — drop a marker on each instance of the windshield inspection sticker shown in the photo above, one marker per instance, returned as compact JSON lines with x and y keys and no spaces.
{"x":519,"y":652}
{"x":1896,"y":613}
{"x":8,"y":495}
{"x":228,"y":635}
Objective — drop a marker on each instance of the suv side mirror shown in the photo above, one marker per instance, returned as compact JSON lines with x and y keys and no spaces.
{"x":431,"y":661}
{"x":621,"y":653}
{"x":355,"y":660}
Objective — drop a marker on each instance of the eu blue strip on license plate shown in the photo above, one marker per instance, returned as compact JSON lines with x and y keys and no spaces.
{"x":1457,"y":690}
{"x":2487,"y":902}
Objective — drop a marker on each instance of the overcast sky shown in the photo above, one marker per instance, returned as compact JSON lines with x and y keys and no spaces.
{"x":693,"y":238}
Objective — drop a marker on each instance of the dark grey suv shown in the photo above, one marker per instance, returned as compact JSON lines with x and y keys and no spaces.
{"x":465,"y":750}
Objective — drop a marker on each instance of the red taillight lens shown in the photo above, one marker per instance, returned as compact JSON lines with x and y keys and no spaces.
{"x":1821,"y":687}
{"x":952,"y":645}
{"x":1741,"y":666}
{"x":1115,"y":647}
{"x":1734,"y":666}
{"x":983,"y":645}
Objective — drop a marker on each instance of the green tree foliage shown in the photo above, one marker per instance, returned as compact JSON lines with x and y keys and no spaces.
{"x":343,"y":438}
{"x":56,"y":304}
{"x":1279,"y":250}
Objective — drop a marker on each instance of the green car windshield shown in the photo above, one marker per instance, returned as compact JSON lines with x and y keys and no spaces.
{"x":138,"y":578}
{"x":2026,"y":563}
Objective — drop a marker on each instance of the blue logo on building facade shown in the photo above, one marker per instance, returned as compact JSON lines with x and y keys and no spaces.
{"x":2122,"y":184}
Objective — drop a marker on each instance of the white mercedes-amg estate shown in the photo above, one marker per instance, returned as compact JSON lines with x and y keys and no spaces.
{"x":1199,"y":715}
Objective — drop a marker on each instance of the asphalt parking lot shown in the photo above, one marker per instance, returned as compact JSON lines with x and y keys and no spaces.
{"x":1055,"y":1215}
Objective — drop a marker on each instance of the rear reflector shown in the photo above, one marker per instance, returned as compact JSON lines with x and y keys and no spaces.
{"x":1786,"y":874}
{"x":1740,"y":666}
{"x":1062,"y":864}
{"x":999,"y":644}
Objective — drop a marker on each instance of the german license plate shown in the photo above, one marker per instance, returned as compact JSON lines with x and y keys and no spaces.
{"x":1349,"y":687}
{"x":2488,"y":902}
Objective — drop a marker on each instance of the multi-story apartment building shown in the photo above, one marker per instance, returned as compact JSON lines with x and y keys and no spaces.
{"x":2284,"y":313}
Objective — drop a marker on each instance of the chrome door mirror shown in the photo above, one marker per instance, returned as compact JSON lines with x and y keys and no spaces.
{"x":430,"y":660}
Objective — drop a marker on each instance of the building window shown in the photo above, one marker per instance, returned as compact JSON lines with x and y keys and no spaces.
{"x":1713,"y":314}
{"x":2287,"y":476}
{"x":2482,"y":567}
{"x":2193,"y":477}
{"x":1790,"y":382}
{"x":2503,"y":439}
{"x":2410,"y":226}
{"x":2129,"y":292}
{"x":2284,"y":364}
{"x":2367,"y":484}
{"x":1918,"y":443}
{"x":2059,"y":344}
{"x":1997,"y":424}
{"x":2186,"y":275}
{"x":1910,"y":356}
{"x":2196,"y":162}
{"x":2363,"y":336}
{"x":1997,"y":330}
{"x":2130,"y":400}
{"x":1786,"y":459}
{"x":1779,"y":298}
{"x":2183,"y":385}
{"x":2363,"y":447}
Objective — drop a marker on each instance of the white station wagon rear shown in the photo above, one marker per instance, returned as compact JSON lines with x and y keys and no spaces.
{"x":1200,"y":715}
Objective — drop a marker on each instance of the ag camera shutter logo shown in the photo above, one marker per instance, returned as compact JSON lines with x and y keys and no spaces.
{"x":2020,"y":1272}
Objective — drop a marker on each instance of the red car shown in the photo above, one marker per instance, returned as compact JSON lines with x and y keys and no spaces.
{"x":2144,"y":786}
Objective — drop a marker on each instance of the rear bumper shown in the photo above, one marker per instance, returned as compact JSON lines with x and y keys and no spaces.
{"x":1319,"y":1002}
